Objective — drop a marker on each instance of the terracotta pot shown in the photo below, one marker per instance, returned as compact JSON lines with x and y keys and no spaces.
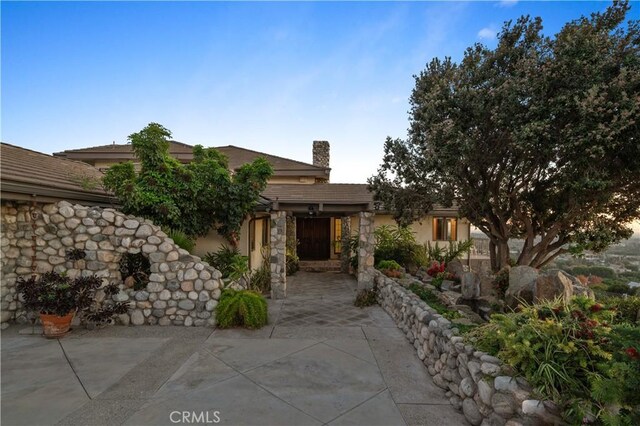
{"x":55,"y":326}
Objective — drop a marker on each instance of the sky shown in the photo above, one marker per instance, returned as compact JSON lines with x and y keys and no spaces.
{"x":269,"y":76}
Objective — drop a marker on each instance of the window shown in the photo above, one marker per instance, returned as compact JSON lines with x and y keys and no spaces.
{"x":337,"y":235}
{"x":265,"y":232}
{"x":445,"y":229}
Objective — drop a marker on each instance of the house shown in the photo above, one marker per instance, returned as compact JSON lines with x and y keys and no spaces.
{"x":299,"y":204}
{"x":301,"y":189}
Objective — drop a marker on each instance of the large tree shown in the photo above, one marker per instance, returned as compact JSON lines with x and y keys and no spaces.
{"x":537,"y":139}
{"x":193,"y":198}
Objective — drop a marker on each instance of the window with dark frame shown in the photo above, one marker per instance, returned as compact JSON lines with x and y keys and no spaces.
{"x":337,"y":235}
{"x":445,"y":229}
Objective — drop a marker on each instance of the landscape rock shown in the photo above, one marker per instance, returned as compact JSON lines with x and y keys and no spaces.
{"x":522,"y":283}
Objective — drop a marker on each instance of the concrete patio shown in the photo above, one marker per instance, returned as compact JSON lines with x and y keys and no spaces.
{"x":319,"y":361}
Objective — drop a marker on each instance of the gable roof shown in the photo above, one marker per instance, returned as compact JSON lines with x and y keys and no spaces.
{"x":34,"y":174}
{"x":237,"y":157}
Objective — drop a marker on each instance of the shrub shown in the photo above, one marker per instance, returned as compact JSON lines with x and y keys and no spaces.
{"x":135,"y":267}
{"x":600,"y":271}
{"x":389,"y":265}
{"x":572,"y":353}
{"x":454,"y":250}
{"x":501,"y":282}
{"x":261,"y":279}
{"x":181,"y":239}
{"x":226,"y":260}
{"x":436,"y":268}
{"x":244,"y":308}
{"x":293,"y":263}
{"x":617,"y":287}
{"x":399,"y":244}
{"x":366,"y":297}
{"x":57,"y":294}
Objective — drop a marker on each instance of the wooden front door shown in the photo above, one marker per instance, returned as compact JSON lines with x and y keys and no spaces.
{"x":314,"y":235}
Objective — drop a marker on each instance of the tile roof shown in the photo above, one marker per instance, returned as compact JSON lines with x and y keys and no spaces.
{"x":237,"y":156}
{"x":23,"y":166}
{"x":334,"y":193}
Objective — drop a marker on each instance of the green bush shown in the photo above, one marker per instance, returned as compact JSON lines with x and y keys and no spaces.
{"x":366,"y":297}
{"x":228,"y":261}
{"x":181,"y":239}
{"x":293,"y":263}
{"x":600,"y":271}
{"x":244,"y":308}
{"x":572,"y":353}
{"x":627,"y":308}
{"x":399,"y":244}
{"x":617,"y":286}
{"x":261,"y":279}
{"x":454,"y":250}
{"x":389,"y":265}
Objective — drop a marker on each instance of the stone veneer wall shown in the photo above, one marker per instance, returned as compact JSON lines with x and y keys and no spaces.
{"x":278,"y":254}
{"x":478,"y":383}
{"x":182,"y":290}
{"x":366,"y":251}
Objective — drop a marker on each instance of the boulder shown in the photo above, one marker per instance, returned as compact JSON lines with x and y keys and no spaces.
{"x":553,"y":284}
{"x":578,"y":288}
{"x":486,"y":285}
{"x":522,"y":285}
{"x":455,"y":267}
{"x":470,"y":285}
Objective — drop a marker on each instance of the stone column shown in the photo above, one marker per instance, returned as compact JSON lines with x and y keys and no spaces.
{"x":345,"y":252}
{"x":278,"y":255}
{"x":366,"y":248}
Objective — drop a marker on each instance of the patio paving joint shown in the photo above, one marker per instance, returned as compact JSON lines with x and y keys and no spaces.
{"x":75,"y":373}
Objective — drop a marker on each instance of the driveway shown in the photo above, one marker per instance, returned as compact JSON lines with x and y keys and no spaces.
{"x":320,"y":361}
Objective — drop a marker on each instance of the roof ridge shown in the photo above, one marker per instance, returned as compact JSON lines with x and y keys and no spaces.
{"x":117,"y":144}
{"x":82,"y":163}
{"x":275,"y":156}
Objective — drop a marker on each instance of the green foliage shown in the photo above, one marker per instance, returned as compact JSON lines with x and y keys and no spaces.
{"x":228,"y":261}
{"x":388,"y":265}
{"x":535,"y":139}
{"x":366,"y":297}
{"x":261,"y":279}
{"x":432,"y":300}
{"x":627,"y":309}
{"x":599,"y":271}
{"x":244,"y":308}
{"x":398,"y":243}
{"x":501,"y":282}
{"x":193,"y":197}
{"x":293,"y":263}
{"x":181,"y":239}
{"x":578,"y":354}
{"x":238,"y":268}
{"x":57,"y":294}
{"x":616,"y":286}
{"x":137,"y":267}
{"x":454,"y":250}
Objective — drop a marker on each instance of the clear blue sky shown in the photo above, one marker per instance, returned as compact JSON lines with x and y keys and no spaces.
{"x":267,"y":76}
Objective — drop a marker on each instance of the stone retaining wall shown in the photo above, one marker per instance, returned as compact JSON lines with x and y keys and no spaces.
{"x":182,"y":290}
{"x":477,"y":383}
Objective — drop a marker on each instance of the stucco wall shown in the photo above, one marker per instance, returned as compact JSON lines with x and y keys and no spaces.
{"x":182,"y":290}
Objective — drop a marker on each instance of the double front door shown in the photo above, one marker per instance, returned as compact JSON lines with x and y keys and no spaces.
{"x":314,"y":236}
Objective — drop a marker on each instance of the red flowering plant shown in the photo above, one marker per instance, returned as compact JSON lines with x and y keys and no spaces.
{"x":436,"y":268}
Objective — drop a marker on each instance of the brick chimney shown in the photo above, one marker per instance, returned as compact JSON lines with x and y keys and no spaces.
{"x":321,"y":154}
